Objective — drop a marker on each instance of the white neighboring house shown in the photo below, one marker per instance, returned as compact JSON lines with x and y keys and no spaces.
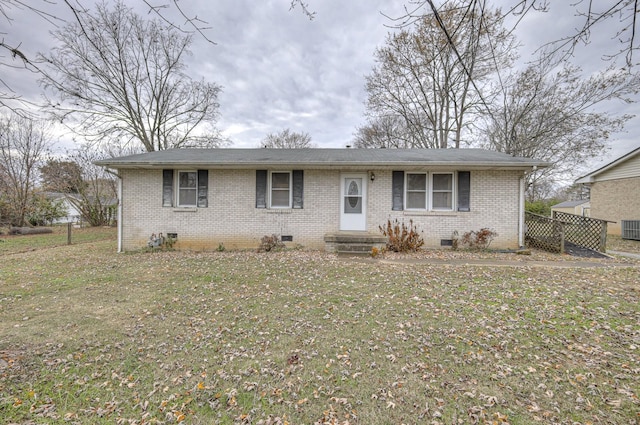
{"x":73,"y":215}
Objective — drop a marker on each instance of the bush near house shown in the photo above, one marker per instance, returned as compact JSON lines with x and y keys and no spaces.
{"x":402,"y":237}
{"x":44,"y":211}
{"x":541,"y":207}
{"x":270,"y":243}
{"x":480,"y":239}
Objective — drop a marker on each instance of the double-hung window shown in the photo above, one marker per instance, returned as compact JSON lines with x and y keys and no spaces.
{"x":281,"y":189}
{"x":187,"y":188}
{"x":182,"y":188}
{"x":416,"y":191}
{"x":442,"y":191}
{"x":425,"y":191}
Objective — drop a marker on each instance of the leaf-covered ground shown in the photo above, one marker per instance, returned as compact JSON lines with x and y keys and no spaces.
{"x":90,"y":336}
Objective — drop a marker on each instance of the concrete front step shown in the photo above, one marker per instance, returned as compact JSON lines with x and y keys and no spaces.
{"x":355,"y":247}
{"x":355,"y":237}
{"x":353,"y":253}
{"x":354,"y":242}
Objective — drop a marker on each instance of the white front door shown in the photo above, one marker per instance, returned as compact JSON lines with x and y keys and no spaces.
{"x":353,"y":205}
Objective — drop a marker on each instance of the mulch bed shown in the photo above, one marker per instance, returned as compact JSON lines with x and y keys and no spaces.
{"x":582,"y":252}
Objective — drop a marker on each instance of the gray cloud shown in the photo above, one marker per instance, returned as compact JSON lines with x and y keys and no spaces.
{"x":281,"y":70}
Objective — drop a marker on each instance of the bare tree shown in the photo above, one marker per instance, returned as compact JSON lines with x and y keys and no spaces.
{"x":62,"y":176}
{"x":384,"y":132}
{"x":552,"y":114}
{"x":304,"y":7}
{"x":433,"y":86}
{"x":12,"y":54}
{"x":598,"y":15}
{"x":96,"y":196}
{"x":124,"y":80}
{"x":196,"y":24}
{"x":602,"y":19}
{"x":23,"y":144}
{"x":287,"y":139}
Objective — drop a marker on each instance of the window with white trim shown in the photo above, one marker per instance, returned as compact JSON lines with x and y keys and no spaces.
{"x":280,"y":189}
{"x":429,"y":191}
{"x":187,"y":188}
{"x":416,"y":191}
{"x":442,"y":191}
{"x":446,"y":191}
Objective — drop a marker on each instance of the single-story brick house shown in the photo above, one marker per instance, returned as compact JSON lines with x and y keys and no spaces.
{"x":615,"y":190}
{"x":234,"y":197}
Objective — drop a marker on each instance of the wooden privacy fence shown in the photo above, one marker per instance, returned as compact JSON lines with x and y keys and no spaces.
{"x":551,"y":233}
{"x":584,"y":231}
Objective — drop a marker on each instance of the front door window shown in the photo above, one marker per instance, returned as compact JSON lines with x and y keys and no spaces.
{"x":353,"y":198}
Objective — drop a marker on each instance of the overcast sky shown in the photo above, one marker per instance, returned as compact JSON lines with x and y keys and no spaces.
{"x":278,"y":69}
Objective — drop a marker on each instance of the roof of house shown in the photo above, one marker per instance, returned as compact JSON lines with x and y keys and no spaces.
{"x":58,"y":196}
{"x":570,"y":204}
{"x":322,"y":158}
{"x":589,"y":178}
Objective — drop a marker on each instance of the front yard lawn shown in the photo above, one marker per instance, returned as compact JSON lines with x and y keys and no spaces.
{"x":90,"y":336}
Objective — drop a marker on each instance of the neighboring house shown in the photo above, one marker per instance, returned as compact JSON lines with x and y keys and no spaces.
{"x":72,"y":214}
{"x":615,"y":190}
{"x":207,"y":197}
{"x":579,"y":207}
{"x":69,"y":202}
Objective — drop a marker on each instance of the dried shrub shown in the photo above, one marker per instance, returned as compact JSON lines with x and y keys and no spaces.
{"x":402,"y":238}
{"x":478,"y":240}
{"x":270,"y":243}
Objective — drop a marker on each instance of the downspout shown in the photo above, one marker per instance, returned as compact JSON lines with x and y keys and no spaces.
{"x":521,"y":213}
{"x":119,"y":212}
{"x":521,"y":223}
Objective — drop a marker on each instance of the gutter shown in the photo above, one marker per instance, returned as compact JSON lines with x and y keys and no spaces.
{"x":325,"y":165}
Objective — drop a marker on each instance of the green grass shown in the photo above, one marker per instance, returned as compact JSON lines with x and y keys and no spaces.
{"x":91,"y":336}
{"x":20,"y":243}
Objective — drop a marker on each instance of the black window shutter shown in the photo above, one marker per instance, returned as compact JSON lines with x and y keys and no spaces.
{"x":298,"y":188}
{"x":203,"y":187}
{"x":397,"y":187}
{"x":167,"y":188}
{"x":464,"y":191}
{"x":261,"y":188}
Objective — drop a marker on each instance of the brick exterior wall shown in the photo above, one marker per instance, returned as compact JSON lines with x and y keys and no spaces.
{"x":494,"y":205}
{"x":233,"y":220}
{"x":616,"y":200}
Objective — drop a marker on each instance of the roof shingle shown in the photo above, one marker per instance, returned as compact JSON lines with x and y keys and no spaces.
{"x":320,"y":158}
